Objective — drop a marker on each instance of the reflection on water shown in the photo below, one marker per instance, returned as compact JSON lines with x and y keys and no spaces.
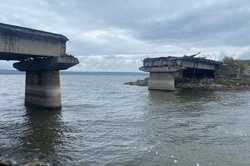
{"x":104,"y":122}
{"x":182,"y":96}
{"x":43,"y":131}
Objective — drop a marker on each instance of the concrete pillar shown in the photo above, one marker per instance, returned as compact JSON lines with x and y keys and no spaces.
{"x":42,"y":89}
{"x":161,"y":81}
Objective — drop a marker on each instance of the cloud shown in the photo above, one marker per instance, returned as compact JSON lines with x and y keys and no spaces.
{"x":116,"y":35}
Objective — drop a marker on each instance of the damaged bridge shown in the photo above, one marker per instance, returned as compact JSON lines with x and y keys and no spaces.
{"x":165,"y":70}
{"x":41,"y":55}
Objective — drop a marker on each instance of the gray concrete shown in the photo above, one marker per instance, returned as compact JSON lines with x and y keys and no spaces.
{"x":42,"y":89}
{"x":173,"y":64}
{"x":41,"y":55}
{"x":198,"y":65}
{"x":17,"y":43}
{"x":164,"y":70}
{"x":161,"y":81}
{"x":29,"y":46}
{"x":47,"y":64}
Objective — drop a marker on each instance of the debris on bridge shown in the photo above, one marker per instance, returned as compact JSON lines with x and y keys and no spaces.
{"x":186,"y":66}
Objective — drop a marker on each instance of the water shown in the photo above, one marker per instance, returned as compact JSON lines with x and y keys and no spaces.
{"x":104,"y":122}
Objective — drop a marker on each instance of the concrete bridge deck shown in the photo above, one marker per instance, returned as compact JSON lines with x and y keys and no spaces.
{"x":19,"y":43}
{"x":169,"y":64}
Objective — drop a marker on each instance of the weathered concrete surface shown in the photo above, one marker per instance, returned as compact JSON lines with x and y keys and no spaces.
{"x":164,"y":70}
{"x":43,"y":89}
{"x":143,"y":82}
{"x":47,"y":64}
{"x":173,"y":64}
{"x":161,"y":81}
{"x":41,"y":55}
{"x":198,"y":65}
{"x":43,"y":80}
{"x":18,"y":43}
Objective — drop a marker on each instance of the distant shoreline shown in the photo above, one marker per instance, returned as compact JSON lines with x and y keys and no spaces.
{"x":13,"y":72}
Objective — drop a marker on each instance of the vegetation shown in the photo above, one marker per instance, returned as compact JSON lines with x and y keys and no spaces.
{"x":232,"y":82}
{"x":242,"y":63}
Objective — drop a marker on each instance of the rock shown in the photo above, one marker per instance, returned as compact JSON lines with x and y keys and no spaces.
{"x":37,"y":163}
{"x":185,"y":83}
{"x":5,"y":162}
{"x":138,"y":82}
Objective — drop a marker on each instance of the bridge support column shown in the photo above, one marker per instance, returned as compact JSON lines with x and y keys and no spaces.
{"x":42,"y":89}
{"x":161,"y":81}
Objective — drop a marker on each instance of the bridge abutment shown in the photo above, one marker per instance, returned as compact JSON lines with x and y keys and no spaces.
{"x":42,"y":89}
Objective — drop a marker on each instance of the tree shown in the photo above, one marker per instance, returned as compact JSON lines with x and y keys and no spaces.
{"x":229,"y":61}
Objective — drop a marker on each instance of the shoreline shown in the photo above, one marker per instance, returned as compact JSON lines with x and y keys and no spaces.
{"x":219,"y":87}
{"x":200,"y":86}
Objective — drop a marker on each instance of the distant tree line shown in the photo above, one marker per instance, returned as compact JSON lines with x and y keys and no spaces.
{"x":243,"y":64}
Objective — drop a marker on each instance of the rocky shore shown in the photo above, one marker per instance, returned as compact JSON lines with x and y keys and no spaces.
{"x":36,"y":162}
{"x":204,"y":84}
{"x":216,"y":87}
{"x":143,"y":82}
{"x":211,"y":84}
{"x":219,"y":87}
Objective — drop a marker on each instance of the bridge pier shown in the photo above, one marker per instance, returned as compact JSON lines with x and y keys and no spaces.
{"x":161,"y":81}
{"x":42,"y":85}
{"x":42,"y":89}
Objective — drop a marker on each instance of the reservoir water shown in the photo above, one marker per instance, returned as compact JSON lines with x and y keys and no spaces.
{"x":104,"y":122}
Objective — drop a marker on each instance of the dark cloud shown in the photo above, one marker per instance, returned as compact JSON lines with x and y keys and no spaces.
{"x":208,"y":22}
{"x":218,"y":24}
{"x":118,"y":34}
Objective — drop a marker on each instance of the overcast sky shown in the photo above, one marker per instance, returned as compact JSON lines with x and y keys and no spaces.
{"x":115,"y":35}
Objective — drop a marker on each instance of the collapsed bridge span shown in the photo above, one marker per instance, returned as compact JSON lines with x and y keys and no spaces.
{"x":164,"y":70}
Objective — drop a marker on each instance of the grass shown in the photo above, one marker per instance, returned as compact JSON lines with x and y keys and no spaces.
{"x":233,"y":82}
